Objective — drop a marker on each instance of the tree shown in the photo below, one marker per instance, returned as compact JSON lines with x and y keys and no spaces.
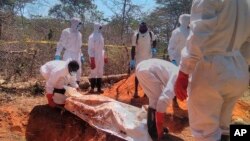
{"x":79,"y":8}
{"x":9,"y":8}
{"x":164,"y":19}
{"x":126,"y":17}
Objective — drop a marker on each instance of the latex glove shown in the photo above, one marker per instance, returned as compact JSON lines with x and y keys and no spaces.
{"x":50,"y":100}
{"x":57,"y":57}
{"x":82,"y":59}
{"x":105,"y":60}
{"x":181,"y":85}
{"x":154,"y":52}
{"x":132,"y":64}
{"x":92,"y":63}
{"x":174,"y":62}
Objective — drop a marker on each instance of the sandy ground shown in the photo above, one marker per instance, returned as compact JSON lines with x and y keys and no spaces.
{"x":25,"y":117}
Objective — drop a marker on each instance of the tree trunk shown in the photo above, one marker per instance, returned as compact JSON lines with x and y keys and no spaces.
{"x":123,"y":18}
{"x":0,"y":29}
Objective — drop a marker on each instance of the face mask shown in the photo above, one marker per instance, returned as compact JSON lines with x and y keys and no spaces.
{"x":79,"y":26}
{"x":100,"y":28}
{"x":73,"y":73}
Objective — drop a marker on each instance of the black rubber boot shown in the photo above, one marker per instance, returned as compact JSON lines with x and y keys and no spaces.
{"x":136,"y":88}
{"x":99,"y":85}
{"x":151,"y":122}
{"x":92,"y":84}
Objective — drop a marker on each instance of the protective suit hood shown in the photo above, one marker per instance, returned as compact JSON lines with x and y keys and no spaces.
{"x":97,"y":27}
{"x":184,"y":20}
{"x":75,"y":23}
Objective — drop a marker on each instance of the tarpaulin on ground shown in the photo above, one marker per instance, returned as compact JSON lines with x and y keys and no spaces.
{"x":120,"y":119}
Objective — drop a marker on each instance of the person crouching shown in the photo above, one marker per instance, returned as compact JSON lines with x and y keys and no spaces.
{"x":58,"y":74}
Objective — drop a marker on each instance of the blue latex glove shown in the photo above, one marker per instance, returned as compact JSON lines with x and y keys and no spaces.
{"x":132,"y":64}
{"x":154,"y":52}
{"x":174,"y":62}
{"x":57,"y":57}
{"x":82,"y":59}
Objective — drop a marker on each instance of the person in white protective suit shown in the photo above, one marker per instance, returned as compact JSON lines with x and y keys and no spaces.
{"x":97,"y":58}
{"x":71,"y":41}
{"x":157,"y":78}
{"x":212,"y":58}
{"x":59,"y":74}
{"x":143,"y":47}
{"x":178,"y":39}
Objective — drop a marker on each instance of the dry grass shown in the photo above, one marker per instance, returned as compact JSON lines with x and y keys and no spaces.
{"x":21,"y":61}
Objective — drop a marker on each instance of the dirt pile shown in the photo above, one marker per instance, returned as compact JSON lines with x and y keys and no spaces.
{"x":35,"y":121}
{"x":47,"y":124}
{"x":123,"y":90}
{"x":14,"y":116}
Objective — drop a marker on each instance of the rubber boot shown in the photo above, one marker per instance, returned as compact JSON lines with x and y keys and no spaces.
{"x":136,"y":88}
{"x":151,"y":123}
{"x":92,"y":84}
{"x":99,"y":85}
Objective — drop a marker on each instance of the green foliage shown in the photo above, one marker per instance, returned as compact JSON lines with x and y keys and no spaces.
{"x":79,"y":8}
{"x":164,"y":19}
{"x":4,"y":3}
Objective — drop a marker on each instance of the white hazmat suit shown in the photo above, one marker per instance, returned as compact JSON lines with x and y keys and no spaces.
{"x":97,"y":56}
{"x":212,"y":58}
{"x":57,"y":76}
{"x":143,"y":46}
{"x":71,"y":41}
{"x":157,"y":78}
{"x":178,"y":39}
{"x":96,"y":50}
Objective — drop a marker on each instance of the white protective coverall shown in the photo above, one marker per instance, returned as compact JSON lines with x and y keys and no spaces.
{"x":178,"y":39}
{"x":143,"y":46}
{"x":96,"y":50}
{"x":71,"y":41}
{"x":57,"y":76}
{"x":219,"y":29}
{"x":157,"y":78}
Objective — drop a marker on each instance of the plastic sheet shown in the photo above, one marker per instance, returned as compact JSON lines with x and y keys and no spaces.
{"x":120,"y":119}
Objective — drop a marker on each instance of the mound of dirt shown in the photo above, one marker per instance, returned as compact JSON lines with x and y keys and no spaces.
{"x":14,"y":116}
{"x":47,"y":124}
{"x":123,"y":90}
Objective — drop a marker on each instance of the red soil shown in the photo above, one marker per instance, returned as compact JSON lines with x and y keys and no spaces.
{"x":29,"y":118}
